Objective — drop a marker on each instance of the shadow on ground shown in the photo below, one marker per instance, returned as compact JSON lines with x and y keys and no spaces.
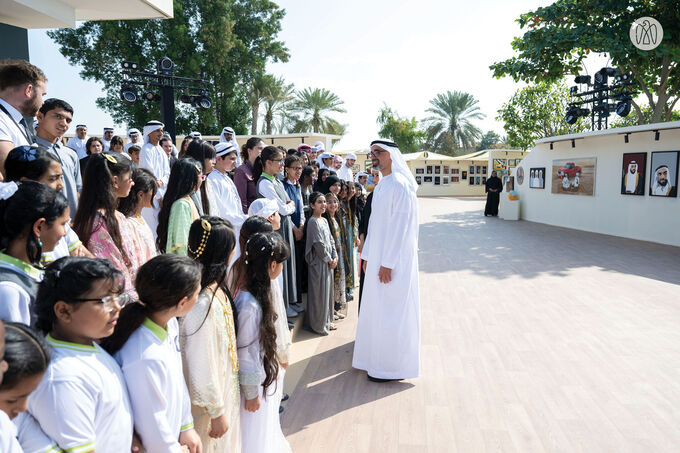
{"x":327,"y":375}
{"x":503,"y":249}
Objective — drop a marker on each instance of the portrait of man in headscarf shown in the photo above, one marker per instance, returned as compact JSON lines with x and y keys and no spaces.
{"x":664,"y":176}
{"x":633,"y":173}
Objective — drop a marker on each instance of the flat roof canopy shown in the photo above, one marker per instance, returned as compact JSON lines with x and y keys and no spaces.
{"x":64,"y":13}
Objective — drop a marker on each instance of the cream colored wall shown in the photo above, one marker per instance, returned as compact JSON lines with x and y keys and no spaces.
{"x":646,"y":218}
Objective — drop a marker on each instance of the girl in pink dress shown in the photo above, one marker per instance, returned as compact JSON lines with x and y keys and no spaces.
{"x":141,"y":196}
{"x":103,"y":229}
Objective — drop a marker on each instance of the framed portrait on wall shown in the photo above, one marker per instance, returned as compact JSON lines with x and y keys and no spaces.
{"x":429,"y":169}
{"x":472,"y":169}
{"x":478,"y":169}
{"x":472,"y":180}
{"x":437,"y":180}
{"x":484,"y":170}
{"x":483,"y":180}
{"x":664,"y":174}
{"x":479,"y":180}
{"x":454,"y":171}
{"x":575,"y":176}
{"x":633,"y":174}
{"x":420,"y":171}
{"x":455,"y":179}
{"x":445,"y":181}
{"x":537,"y":178}
{"x":427,"y":179}
{"x":419,"y":180}
{"x":499,"y":164}
{"x":446,"y":169}
{"x":464,"y":175}
{"x":437,"y":169}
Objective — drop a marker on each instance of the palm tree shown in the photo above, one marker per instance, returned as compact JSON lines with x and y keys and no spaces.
{"x":259,"y":88}
{"x":277,"y":95}
{"x":450,"y":127}
{"x":311,"y":107}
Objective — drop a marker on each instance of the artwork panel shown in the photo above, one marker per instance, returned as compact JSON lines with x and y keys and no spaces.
{"x":663,"y":175}
{"x":633,"y":173}
{"x":574,"y":176}
{"x":537,"y":178}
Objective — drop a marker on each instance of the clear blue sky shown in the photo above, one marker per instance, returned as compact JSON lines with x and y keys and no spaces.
{"x":367,"y":52}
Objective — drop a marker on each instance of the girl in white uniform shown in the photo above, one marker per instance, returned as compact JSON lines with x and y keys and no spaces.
{"x":146,"y":345}
{"x":82,"y":401}
{"x":260,"y":373}
{"x":208,"y":340}
{"x":27,"y":356}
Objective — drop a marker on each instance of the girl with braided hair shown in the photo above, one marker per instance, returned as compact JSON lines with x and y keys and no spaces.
{"x":260,"y":373}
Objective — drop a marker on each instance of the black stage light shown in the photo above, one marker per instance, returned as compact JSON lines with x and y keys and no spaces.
{"x":166,"y":66}
{"x":186,"y":99}
{"x":149,"y":96}
{"x":624,"y":105}
{"x":572,"y":115}
{"x":203,"y":101}
{"x":129,"y":65}
{"x":128,"y":94}
{"x":573,"y":91}
{"x":582,"y":79}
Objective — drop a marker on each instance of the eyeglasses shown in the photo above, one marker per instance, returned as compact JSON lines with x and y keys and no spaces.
{"x":296,"y":168}
{"x":276,"y":160}
{"x":108,"y":302}
{"x":375,"y":152}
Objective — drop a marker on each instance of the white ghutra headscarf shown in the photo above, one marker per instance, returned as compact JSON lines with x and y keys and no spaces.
{"x":150,"y":127}
{"x":398,"y":162}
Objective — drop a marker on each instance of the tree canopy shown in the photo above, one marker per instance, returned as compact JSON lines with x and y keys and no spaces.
{"x":537,"y":111}
{"x":450,"y":126}
{"x":230,"y":41}
{"x":310,"y":109}
{"x":402,"y":131}
{"x":559,"y":37}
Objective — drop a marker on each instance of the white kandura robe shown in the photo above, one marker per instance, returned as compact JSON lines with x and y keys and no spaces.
{"x":226,"y":203}
{"x":345,"y":173}
{"x":387,"y":342}
{"x":154,"y":159}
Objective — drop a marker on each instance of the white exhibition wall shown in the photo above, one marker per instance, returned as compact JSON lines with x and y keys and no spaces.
{"x":645,"y":217}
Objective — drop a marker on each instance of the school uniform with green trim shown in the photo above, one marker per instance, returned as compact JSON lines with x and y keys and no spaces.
{"x":18,"y":287}
{"x":152,"y":366}
{"x":31,"y":437}
{"x":82,"y":402}
{"x":8,"y":435}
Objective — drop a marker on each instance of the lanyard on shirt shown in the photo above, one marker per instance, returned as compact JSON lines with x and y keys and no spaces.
{"x":23,"y":130}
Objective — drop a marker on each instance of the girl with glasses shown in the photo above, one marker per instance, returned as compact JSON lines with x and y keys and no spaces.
{"x":82,"y":402}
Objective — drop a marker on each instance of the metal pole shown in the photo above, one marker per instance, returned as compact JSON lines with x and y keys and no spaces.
{"x":168,"y":110}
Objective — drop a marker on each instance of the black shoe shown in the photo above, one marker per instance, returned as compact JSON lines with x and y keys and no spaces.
{"x":280,"y":409}
{"x":375,"y":379}
{"x":285,"y":397}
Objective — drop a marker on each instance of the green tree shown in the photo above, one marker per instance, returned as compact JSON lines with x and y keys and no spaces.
{"x":560,"y":36}
{"x":260,"y":85}
{"x":229,"y":41}
{"x":633,"y":119}
{"x":488,"y":140}
{"x":310,"y":110}
{"x":451,"y":127}
{"x":537,"y":111}
{"x":276,"y":98}
{"x":402,"y":131}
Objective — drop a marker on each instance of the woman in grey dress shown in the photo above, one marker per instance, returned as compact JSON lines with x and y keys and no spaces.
{"x":321,"y":259}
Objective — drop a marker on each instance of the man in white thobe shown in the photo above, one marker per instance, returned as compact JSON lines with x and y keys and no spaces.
{"x":387,"y":343}
{"x":229,"y":136}
{"x":134,"y":139}
{"x":153,"y":158}
{"x":106,"y":138}
{"x":79,"y":141}
{"x":226,"y":203}
{"x":345,"y":173}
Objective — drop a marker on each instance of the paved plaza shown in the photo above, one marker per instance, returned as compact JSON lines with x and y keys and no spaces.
{"x":534,"y":338}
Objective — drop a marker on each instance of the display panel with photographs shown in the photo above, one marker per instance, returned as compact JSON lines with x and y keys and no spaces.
{"x":483,"y":170}
{"x":455,"y":179}
{"x":427,"y":179}
{"x":483,"y":180}
{"x":478,"y":169}
{"x":537,"y":178}
{"x":633,"y":173}
{"x":429,"y":169}
{"x":437,"y":169}
{"x":664,"y":175}
{"x":472,"y":169}
{"x":419,"y":180}
{"x":499,"y":164}
{"x":445,"y":180}
{"x":478,"y":181}
{"x":464,"y":174}
{"x":454,"y":171}
{"x":471,"y":180}
{"x":437,"y":180}
{"x":446,"y":169}
{"x":420,"y":171}
{"x":574,"y":176}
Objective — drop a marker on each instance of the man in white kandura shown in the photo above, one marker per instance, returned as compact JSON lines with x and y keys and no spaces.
{"x":79,"y":141}
{"x":229,"y":136}
{"x":106,"y":138}
{"x":153,"y":158}
{"x":134,"y":139}
{"x":345,"y":172}
{"x":387,"y":343}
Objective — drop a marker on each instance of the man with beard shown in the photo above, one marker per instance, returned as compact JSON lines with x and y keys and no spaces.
{"x":494,"y":187}
{"x":22,"y":87}
{"x":661,"y":186}
{"x":79,"y":141}
{"x":134,"y":139}
{"x":387,"y":342}
{"x":106,"y":139}
{"x":153,"y":158}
